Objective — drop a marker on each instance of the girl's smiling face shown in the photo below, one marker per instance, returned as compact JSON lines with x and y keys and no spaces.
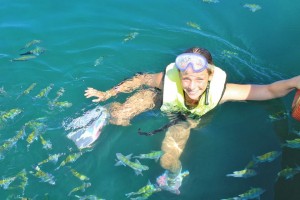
{"x":194,"y":83}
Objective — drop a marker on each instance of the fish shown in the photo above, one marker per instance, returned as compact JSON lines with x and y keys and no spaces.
{"x":88,"y":197}
{"x":46,"y":143}
{"x":210,"y":1}
{"x":252,"y":7}
{"x":29,"y":44}
{"x":145,"y":191}
{"x":11,"y":114}
{"x":52,"y":158}
{"x":44,"y":176}
{"x":23,"y":58}
{"x":295,"y":143}
{"x":36,"y":124}
{"x":296,"y":132}
{"x":7,"y":116}
{"x":125,"y":160}
{"x":60,"y":104}
{"x":193,"y":25}
{"x":9,"y":143}
{"x":245,"y":173}
{"x":37,"y":129}
{"x":2,"y":91}
{"x":36,"y":51}
{"x":44,"y":92}
{"x":59,"y":93}
{"x":31,"y":137}
{"x":288,"y":172}
{"x":253,"y":193}
{"x":130,"y":36}
{"x":5,"y":182}
{"x":229,"y":54}
{"x":98,"y":61}
{"x":233,"y":198}
{"x":152,"y":155}
{"x":278,"y":116}
{"x":267,"y":157}
{"x":69,"y":159}
{"x":28,"y":90}
{"x":82,"y":188}
{"x":79,"y":176}
{"x":24,"y":180}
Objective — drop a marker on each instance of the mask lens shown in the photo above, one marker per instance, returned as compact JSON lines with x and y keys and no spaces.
{"x":196,"y":61}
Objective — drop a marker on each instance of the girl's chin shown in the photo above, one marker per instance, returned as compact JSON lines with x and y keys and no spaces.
{"x":194,"y":96}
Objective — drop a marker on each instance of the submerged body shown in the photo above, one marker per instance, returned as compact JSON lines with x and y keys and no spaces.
{"x":192,"y":86}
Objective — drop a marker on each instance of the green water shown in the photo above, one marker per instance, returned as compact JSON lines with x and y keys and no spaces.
{"x":263,"y":47}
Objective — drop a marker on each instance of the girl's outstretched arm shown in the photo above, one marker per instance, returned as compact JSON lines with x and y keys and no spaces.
{"x":127,"y":86}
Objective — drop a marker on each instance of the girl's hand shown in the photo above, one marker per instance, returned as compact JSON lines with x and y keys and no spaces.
{"x":101,"y":96}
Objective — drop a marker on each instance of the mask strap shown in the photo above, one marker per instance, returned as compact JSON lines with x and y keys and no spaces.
{"x":206,"y":93}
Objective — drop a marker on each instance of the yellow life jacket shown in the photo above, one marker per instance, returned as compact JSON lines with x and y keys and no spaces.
{"x":173,"y":95}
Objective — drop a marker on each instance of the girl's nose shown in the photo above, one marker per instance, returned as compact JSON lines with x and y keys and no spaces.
{"x":192,"y":85}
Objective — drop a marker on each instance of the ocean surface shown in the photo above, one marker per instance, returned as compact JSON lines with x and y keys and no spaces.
{"x":99,"y":43}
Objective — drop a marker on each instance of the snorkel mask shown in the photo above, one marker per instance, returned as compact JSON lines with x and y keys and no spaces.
{"x":196,"y":61}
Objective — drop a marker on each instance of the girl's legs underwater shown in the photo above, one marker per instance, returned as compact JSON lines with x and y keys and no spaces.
{"x":141,"y":101}
{"x":173,"y":146}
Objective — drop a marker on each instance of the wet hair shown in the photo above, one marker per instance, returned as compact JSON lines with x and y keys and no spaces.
{"x":201,"y":51}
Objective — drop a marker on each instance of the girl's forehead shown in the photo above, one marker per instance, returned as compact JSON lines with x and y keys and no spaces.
{"x":194,"y":74}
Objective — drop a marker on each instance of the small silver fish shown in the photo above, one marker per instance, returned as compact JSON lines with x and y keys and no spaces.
{"x":46,"y":143}
{"x":98,"y":61}
{"x":229,"y":54}
{"x":289,"y":172}
{"x":130,"y":36}
{"x":2,"y":91}
{"x":82,"y":188}
{"x":253,"y":193}
{"x":245,"y":173}
{"x":145,"y":191}
{"x":278,"y":116}
{"x":125,"y":160}
{"x":152,"y":155}
{"x":52,"y":158}
{"x":25,"y":92}
{"x":36,"y":51}
{"x":5,"y":182}
{"x":79,"y":176}
{"x":70,"y":159}
{"x":295,"y":143}
{"x":60,"y":104}
{"x":59,"y":93}
{"x":252,"y":7}
{"x":29,"y":44}
{"x":44,"y":176}
{"x":210,"y":1}
{"x":23,"y":58}
{"x":44,"y":92}
{"x":194,"y":25}
{"x":267,"y":157}
{"x":9,"y":143}
{"x":24,"y":180}
{"x":296,"y":132}
{"x":11,"y":114}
